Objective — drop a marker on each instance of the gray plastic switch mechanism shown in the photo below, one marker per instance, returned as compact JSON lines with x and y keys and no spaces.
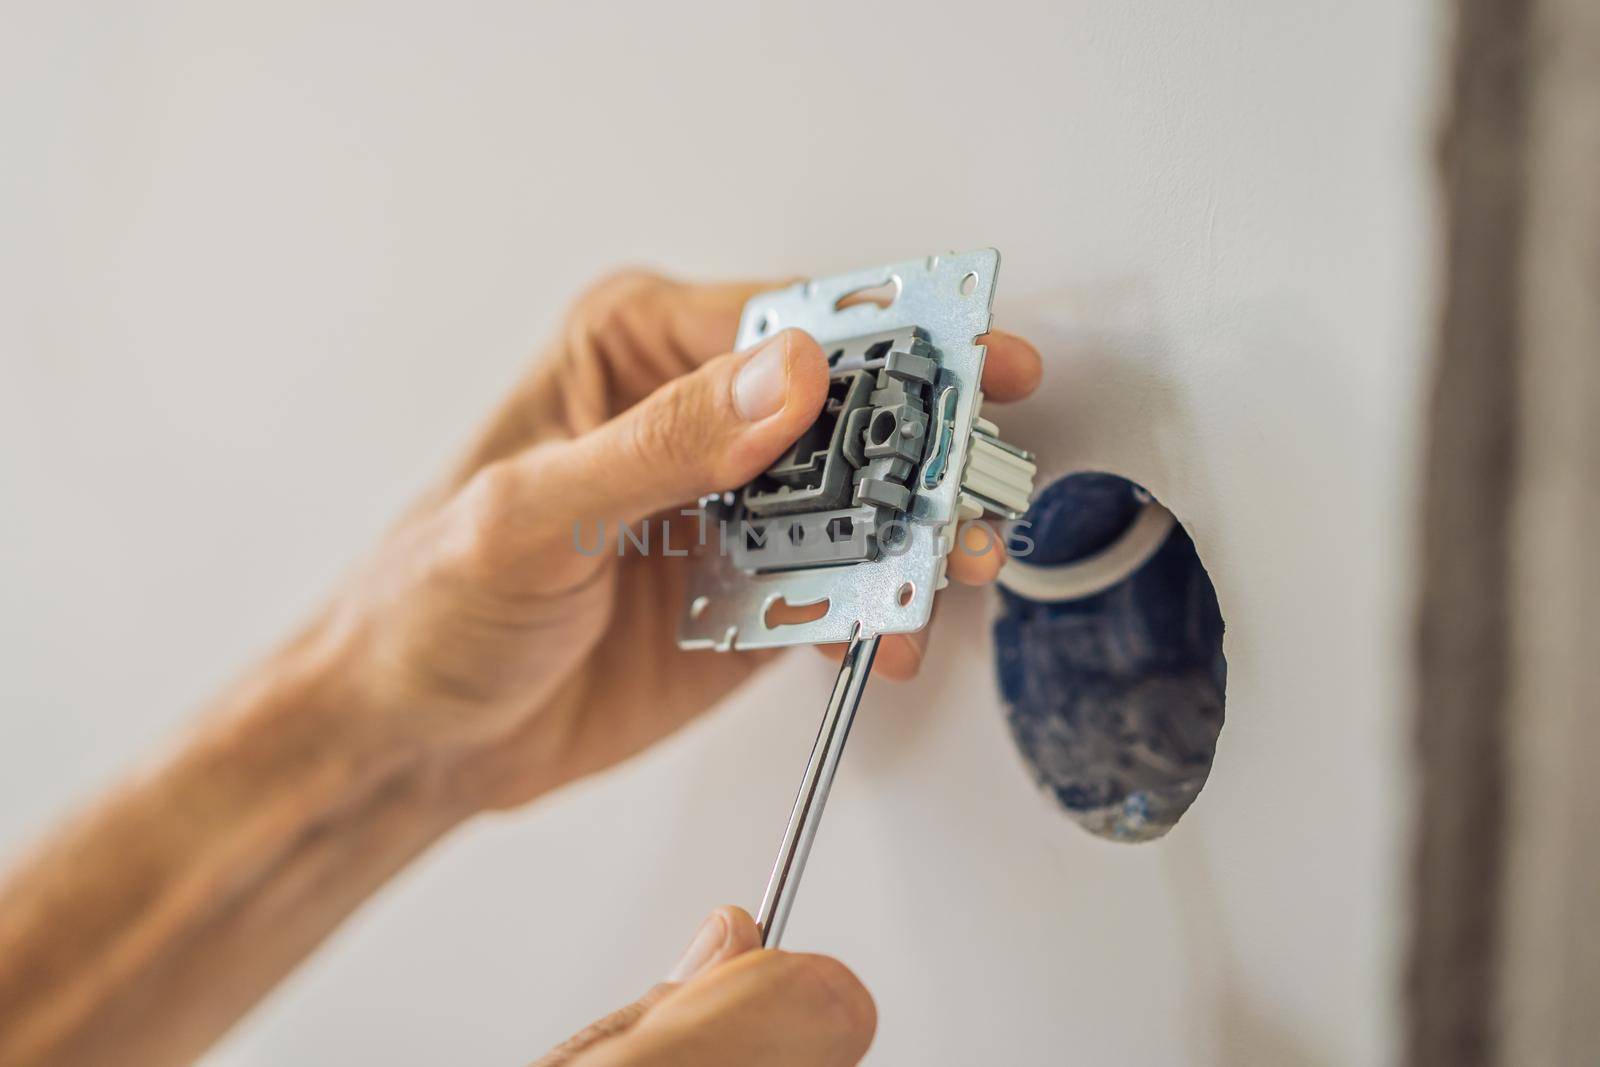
{"x":857,"y":517}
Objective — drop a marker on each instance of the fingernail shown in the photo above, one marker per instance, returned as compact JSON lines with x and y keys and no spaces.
{"x":708,"y":941}
{"x":762,"y":384}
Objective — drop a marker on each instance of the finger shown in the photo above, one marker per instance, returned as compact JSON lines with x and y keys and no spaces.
{"x":977,"y":554}
{"x":661,"y":328}
{"x":898,"y":659}
{"x":701,"y":320}
{"x":778,"y":1009}
{"x":727,"y":932}
{"x":698,"y":320}
{"x":899,"y":656}
{"x":624,"y":337}
{"x":975,"y":559}
{"x":642,"y":329}
{"x":1011,"y":369}
{"x":668,"y":326}
{"x":618,"y":1022}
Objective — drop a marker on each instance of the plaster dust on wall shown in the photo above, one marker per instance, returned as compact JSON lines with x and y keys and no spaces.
{"x":250,"y":224}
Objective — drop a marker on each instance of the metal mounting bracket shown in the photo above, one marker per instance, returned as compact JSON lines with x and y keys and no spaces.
{"x":861,"y":512}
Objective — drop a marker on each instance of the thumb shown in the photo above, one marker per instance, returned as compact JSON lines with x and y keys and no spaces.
{"x":708,"y":431}
{"x":727,"y":932}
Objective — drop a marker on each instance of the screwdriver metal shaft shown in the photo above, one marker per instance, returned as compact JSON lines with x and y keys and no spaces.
{"x":808,"y":804}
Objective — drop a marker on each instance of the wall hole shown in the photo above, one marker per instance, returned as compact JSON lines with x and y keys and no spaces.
{"x":969,"y":283}
{"x":1109,"y":654}
{"x":903,"y":596}
{"x":698,"y":606}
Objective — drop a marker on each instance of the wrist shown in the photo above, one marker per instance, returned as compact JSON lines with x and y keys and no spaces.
{"x":314,"y":709}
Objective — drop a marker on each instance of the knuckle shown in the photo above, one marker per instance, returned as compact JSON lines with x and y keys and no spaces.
{"x":501,"y":534}
{"x":496,"y":533}
{"x":602,"y":308}
{"x":669,"y":433}
{"x":488,"y":509}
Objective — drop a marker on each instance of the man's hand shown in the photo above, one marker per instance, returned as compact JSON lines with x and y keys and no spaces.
{"x":482,"y":636}
{"x":731,"y":1004}
{"x":477,"y":660}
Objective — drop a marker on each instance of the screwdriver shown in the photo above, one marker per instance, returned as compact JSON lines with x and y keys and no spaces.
{"x":820,"y":768}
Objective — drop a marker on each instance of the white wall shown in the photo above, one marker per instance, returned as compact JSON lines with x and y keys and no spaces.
{"x":260,"y":271}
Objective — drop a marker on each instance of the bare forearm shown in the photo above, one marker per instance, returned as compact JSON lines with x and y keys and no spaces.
{"x":142,"y":931}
